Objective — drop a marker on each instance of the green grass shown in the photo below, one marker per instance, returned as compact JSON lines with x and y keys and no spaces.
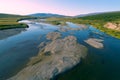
{"x":8,"y":21}
{"x":98,"y":21}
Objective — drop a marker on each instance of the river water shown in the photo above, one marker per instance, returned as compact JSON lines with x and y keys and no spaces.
{"x":21,"y":44}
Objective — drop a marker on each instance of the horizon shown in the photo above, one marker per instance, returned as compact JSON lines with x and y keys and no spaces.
{"x":68,"y":8}
{"x":57,"y":13}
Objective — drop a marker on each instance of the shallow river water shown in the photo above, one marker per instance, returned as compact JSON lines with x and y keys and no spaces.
{"x":21,"y":44}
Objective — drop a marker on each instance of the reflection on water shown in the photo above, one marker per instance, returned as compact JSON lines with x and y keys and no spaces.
{"x":16,"y":49}
{"x":100,"y":64}
{"x":10,"y":32}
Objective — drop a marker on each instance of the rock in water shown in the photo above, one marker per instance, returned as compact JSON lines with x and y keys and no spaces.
{"x":96,"y":43}
{"x":57,"y":56}
{"x":53,"y":35}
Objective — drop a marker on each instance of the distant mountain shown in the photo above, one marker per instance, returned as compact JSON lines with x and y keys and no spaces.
{"x":46,"y":15}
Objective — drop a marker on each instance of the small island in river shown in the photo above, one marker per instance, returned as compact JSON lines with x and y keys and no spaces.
{"x":53,"y":58}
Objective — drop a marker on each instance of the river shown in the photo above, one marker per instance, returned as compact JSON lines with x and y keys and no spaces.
{"x":21,"y":44}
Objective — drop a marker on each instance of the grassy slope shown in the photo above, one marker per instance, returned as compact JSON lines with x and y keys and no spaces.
{"x":101,"y":19}
{"x":8,"y":21}
{"x":97,"y":21}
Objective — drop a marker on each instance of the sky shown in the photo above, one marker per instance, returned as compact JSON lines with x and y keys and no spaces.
{"x":64,"y":7}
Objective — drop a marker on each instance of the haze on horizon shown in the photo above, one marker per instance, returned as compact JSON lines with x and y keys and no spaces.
{"x":64,"y":7}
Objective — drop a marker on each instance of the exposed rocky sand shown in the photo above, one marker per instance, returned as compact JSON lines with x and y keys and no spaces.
{"x":53,"y":58}
{"x":113,"y":26}
{"x":53,"y":35}
{"x":97,"y":43}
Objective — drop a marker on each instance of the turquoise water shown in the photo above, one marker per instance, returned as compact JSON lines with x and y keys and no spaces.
{"x":100,"y":64}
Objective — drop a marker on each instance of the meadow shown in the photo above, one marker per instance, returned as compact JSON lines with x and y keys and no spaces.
{"x":8,"y":21}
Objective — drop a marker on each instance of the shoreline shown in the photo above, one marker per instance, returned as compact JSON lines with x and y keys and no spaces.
{"x":13,"y":26}
{"x":52,"y":61}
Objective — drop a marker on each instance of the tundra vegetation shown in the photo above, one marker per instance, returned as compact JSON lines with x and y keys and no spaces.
{"x":8,"y":21}
{"x":97,"y":20}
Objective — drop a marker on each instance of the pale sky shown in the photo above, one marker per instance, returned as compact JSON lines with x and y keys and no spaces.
{"x":64,"y":7}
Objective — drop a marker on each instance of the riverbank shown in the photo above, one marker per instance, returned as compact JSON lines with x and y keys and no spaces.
{"x":8,"y":21}
{"x":12,"y":26}
{"x":98,"y":21}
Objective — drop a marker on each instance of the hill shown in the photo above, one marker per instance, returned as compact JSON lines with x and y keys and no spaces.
{"x":45,"y":15}
{"x":89,"y":14}
{"x":107,"y":16}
